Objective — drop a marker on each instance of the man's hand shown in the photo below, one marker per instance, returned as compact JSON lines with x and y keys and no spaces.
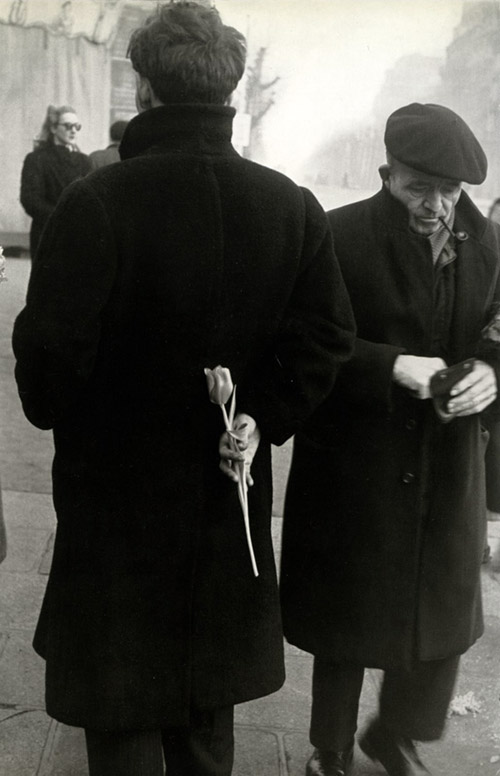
{"x":474,"y":392}
{"x":248,"y":438}
{"x":415,"y":372}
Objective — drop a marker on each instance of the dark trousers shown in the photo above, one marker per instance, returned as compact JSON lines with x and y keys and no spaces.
{"x":492,"y":463}
{"x":412,"y":703}
{"x":206,"y":748}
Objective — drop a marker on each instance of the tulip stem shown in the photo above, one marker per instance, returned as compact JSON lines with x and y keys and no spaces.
{"x":242,"y":482}
{"x":227,"y":424}
{"x":232,"y":409}
{"x":246,"y":517}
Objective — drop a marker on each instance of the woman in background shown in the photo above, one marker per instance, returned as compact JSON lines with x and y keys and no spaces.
{"x":55,"y":162}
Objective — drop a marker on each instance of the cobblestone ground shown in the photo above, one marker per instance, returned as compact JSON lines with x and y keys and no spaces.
{"x":271,"y":733}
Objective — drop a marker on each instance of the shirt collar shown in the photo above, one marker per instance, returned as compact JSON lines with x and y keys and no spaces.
{"x":441,"y":236}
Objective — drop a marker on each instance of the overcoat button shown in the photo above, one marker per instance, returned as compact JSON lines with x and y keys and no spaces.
{"x":408,"y":477}
{"x":411,"y":424}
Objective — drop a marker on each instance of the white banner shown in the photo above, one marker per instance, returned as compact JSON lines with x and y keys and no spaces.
{"x":95,"y":20}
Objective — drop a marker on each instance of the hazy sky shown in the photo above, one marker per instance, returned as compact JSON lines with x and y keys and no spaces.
{"x":331,"y":56}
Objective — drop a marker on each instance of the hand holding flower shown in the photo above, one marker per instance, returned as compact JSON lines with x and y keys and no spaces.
{"x":247,"y":436}
{"x":239,"y":443}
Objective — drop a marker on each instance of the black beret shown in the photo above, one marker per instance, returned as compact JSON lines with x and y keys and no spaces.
{"x":435,"y":140}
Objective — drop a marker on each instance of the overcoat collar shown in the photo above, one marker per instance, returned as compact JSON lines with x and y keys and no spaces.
{"x":392,"y":212}
{"x":204,"y":129}
{"x":476,"y":271}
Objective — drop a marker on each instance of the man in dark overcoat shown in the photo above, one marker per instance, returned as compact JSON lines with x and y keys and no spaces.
{"x":385,"y":512}
{"x":111,"y":153}
{"x":180,"y":257}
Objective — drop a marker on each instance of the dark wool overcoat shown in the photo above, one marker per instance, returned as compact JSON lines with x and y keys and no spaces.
{"x":46,"y":172}
{"x":181,"y":256}
{"x":385,"y":513}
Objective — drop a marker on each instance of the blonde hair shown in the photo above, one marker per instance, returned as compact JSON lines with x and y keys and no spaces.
{"x":51,"y":120}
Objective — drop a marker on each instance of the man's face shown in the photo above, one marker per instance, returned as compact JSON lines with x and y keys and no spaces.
{"x":427,"y":198}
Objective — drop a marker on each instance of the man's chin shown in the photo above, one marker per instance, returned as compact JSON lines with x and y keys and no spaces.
{"x":425,"y":226}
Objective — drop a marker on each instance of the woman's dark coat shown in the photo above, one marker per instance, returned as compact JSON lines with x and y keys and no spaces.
{"x":385,"y":513}
{"x":46,"y":172}
{"x":180,"y":257}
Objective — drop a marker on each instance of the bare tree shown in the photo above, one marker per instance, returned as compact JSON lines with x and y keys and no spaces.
{"x":258,"y":99}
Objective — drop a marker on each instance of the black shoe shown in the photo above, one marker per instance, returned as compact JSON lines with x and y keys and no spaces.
{"x":395,"y":753}
{"x":325,"y":762}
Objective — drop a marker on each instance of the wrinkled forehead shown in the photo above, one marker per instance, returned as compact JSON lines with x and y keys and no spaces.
{"x":410,"y":175}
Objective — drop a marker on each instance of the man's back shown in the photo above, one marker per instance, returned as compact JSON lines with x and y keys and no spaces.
{"x":181,"y":257}
{"x":207,"y":248}
{"x":104,"y":156}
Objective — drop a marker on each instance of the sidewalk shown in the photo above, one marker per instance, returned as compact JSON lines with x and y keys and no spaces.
{"x":271,"y":733}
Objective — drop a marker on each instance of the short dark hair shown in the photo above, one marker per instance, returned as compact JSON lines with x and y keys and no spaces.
{"x":117,"y":129}
{"x":188,"y":54}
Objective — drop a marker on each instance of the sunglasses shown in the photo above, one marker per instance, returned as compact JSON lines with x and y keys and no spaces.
{"x":68,"y":126}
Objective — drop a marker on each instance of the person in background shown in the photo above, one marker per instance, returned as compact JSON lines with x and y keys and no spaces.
{"x":183,"y":256}
{"x":385,"y":508}
{"x":492,"y":425}
{"x":110,"y":154}
{"x":3,"y":534}
{"x":55,"y":162}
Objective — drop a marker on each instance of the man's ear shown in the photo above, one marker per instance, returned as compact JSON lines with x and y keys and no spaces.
{"x":144,"y":96}
{"x":384,"y":171}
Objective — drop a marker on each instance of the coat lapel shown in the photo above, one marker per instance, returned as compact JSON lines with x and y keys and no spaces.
{"x":474,"y":273}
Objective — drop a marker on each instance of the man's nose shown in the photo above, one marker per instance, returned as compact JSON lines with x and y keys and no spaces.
{"x":433,"y":201}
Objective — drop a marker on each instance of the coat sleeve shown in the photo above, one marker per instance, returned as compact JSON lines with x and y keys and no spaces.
{"x":314,"y":338}
{"x":56,"y":336}
{"x":367,"y":378}
{"x":33,"y":196}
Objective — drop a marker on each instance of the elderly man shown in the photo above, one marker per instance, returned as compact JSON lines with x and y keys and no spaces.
{"x":385,"y":512}
{"x":183,"y":256}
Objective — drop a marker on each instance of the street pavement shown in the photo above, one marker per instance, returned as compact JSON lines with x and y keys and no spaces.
{"x":271,"y":733}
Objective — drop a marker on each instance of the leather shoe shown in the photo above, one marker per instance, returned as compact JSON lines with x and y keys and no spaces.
{"x":325,"y":762}
{"x":396,"y":753}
